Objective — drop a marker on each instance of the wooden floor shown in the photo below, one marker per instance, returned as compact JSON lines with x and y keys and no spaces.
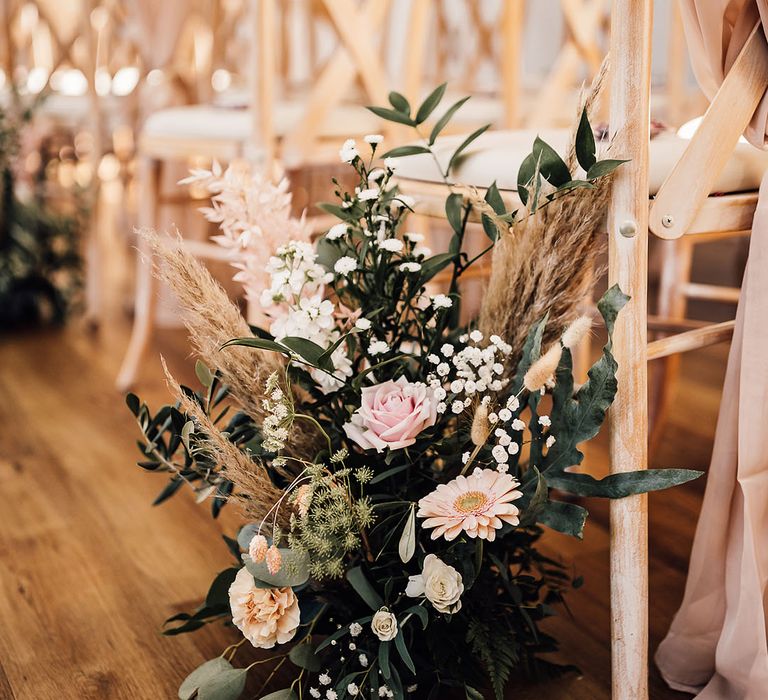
{"x":88,"y":569}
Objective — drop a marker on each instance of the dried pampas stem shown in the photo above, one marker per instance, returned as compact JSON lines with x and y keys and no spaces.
{"x":212,"y":319}
{"x":546,"y":263}
{"x":254,"y":491}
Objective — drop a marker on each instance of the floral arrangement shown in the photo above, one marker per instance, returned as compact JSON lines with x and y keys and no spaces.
{"x":395,"y":467}
{"x":40,"y":261}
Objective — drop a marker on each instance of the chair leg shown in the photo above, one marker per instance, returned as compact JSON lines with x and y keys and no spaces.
{"x":144,"y":303}
{"x":676,"y":258}
{"x":94,"y":266}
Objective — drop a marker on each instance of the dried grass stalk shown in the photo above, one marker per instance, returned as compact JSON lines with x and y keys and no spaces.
{"x":254,"y":490}
{"x":546,"y":262}
{"x":212,"y":319}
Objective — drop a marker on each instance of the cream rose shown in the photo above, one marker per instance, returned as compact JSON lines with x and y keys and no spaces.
{"x":384,"y":625}
{"x":440,"y":583}
{"x":265,"y":616}
{"x":391,"y":415}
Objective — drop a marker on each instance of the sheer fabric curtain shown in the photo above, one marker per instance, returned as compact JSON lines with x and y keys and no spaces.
{"x":716,"y":646}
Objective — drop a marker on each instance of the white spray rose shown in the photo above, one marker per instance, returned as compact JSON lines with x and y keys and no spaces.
{"x":440,"y":583}
{"x":384,"y":625}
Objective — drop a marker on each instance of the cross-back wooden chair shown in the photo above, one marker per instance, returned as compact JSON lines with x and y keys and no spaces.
{"x":296,"y":133}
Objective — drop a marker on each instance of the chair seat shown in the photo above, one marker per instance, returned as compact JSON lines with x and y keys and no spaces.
{"x":228,"y":128}
{"x":496,"y":156}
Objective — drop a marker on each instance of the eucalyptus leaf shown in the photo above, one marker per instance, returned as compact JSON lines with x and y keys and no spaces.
{"x":310,"y":351}
{"x":493,"y":197}
{"x":430,"y":103}
{"x":294,"y":569}
{"x":246,"y":534}
{"x":259,"y":343}
{"x":399,"y":102}
{"x":603,"y":168}
{"x":567,"y":518}
{"x":186,"y":431}
{"x":623,"y":484}
{"x":304,"y":656}
{"x":406,"y":548}
{"x":453,"y":213}
{"x":227,"y":685}
{"x":433,"y":265}
{"x":402,"y":151}
{"x":201,"y":674}
{"x":386,"y":671}
{"x":203,"y":373}
{"x":420,"y":612}
{"x":403,"y":651}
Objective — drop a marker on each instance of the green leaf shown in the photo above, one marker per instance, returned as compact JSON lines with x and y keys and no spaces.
{"x":246,"y":534}
{"x":388,"y":473}
{"x":551,"y":165}
{"x":227,"y":685}
{"x":304,"y":656}
{"x":204,"y":375}
{"x":186,"y":431}
{"x":133,"y":403}
{"x":218,"y":593}
{"x":309,"y":351}
{"x":392,"y":115}
{"x":400,"y":103}
{"x":489,"y":227}
{"x":406,"y":548}
{"x":430,"y":103}
{"x":327,"y":253}
{"x":493,"y":197}
{"x":201,"y":674}
{"x":433,"y":265}
{"x":403,"y":651}
{"x":453,"y":211}
{"x":567,"y":518}
{"x":585,"y":143}
{"x":350,"y":215}
{"x":384,"y":660}
{"x":464,"y":144}
{"x":364,"y":589}
{"x":603,"y":167}
{"x":538,"y":501}
{"x":624,"y":484}
{"x":294,"y":570}
{"x":260,"y":343}
{"x":443,"y":121}
{"x":421,"y":613}
{"x":472,"y":693}
{"x":402,"y":151}
{"x":284,"y":694}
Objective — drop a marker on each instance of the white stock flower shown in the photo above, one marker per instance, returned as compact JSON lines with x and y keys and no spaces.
{"x":414,"y":237}
{"x":336,"y":231}
{"x":348,"y":151}
{"x":393,"y":245}
{"x":377,"y":347}
{"x":409,"y":267}
{"x":345,"y":265}
{"x":440,"y":583}
{"x":384,"y":625}
{"x":363,"y":324}
{"x":368,"y":194}
{"x":373,"y":138}
{"x":441,"y":301}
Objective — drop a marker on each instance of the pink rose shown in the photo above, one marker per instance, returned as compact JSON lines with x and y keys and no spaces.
{"x":391,"y":415}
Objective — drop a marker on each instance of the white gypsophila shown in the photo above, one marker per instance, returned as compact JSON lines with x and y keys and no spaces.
{"x":363,"y":324}
{"x":315,"y":693}
{"x":409,"y":267}
{"x":345,"y":265}
{"x":392,"y":245}
{"x":348,"y":151}
{"x":441,"y":301}
{"x":518,"y":424}
{"x":324,"y":679}
{"x":363,"y":659}
{"x":373,"y":139}
{"x":384,"y":625}
{"x":353,"y":689}
{"x":550,"y":441}
{"x":355,"y":629}
{"x":545,"y":421}
{"x":439,"y":583}
{"x":331,"y":694}
{"x":337,"y":231}
{"x":500,"y":454}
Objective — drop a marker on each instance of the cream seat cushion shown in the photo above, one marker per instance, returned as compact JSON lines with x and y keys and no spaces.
{"x":496,"y":155}
{"x":212,"y":123}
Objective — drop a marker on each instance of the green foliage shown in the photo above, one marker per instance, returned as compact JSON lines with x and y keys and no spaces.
{"x":495,"y":646}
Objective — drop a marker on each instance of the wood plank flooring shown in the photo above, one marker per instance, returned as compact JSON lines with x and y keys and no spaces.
{"x":89,"y":569}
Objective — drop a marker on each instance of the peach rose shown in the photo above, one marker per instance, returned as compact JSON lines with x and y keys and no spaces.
{"x":391,"y":415}
{"x":265,"y":616}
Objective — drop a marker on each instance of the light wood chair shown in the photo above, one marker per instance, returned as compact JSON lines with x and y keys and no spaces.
{"x":296,"y":131}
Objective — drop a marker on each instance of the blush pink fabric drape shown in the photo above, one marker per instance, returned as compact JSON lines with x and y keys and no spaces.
{"x":716,"y":646}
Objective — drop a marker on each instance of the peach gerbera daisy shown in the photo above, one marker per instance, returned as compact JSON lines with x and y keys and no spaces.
{"x":478,"y":504}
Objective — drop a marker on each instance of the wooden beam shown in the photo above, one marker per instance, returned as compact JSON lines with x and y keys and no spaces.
{"x":691,"y":340}
{"x":631,"y":27}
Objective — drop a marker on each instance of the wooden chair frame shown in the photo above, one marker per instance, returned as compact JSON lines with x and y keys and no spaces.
{"x":682,"y":206}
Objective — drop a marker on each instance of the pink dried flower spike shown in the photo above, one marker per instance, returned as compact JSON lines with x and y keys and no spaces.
{"x":274,"y":560}
{"x":257,"y":550}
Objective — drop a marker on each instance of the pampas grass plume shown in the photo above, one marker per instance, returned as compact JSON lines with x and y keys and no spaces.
{"x":540,"y":371}
{"x":576,"y":331}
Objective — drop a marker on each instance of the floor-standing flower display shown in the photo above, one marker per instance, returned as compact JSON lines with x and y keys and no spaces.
{"x":394,"y":466}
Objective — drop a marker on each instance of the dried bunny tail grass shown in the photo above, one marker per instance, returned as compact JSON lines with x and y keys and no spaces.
{"x":212,"y":319}
{"x":541,"y":371}
{"x":481,"y":426}
{"x":546,"y":264}
{"x":576,"y":331}
{"x":254,"y":491}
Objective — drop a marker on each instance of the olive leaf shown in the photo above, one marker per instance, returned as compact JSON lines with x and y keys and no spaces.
{"x":407,"y":545}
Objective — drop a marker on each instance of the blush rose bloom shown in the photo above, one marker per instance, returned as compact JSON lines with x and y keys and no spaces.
{"x":392,"y":414}
{"x":265,"y":616}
